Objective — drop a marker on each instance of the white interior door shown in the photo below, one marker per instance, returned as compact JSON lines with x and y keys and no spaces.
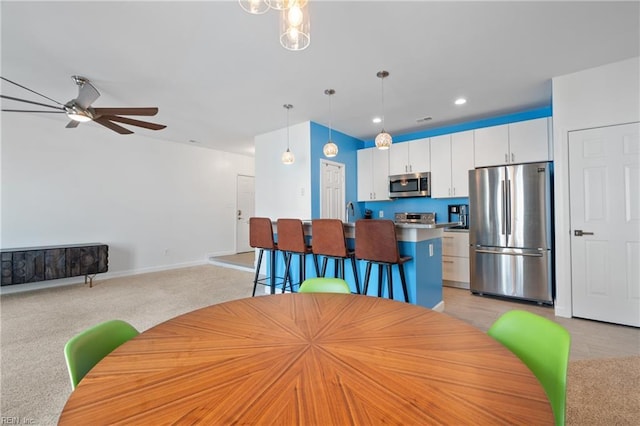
{"x":245,"y":209}
{"x":604,"y":184}
{"x":332,"y":193}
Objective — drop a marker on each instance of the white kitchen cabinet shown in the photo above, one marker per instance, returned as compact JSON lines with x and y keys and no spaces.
{"x":451,"y":160}
{"x":491,"y":146}
{"x":373,"y":174}
{"x":455,"y":259}
{"x":530,"y":141}
{"x":521,"y":142}
{"x":409,"y":157}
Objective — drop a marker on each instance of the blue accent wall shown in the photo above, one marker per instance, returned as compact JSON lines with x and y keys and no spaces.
{"x":347,"y":154}
{"x":348,"y":147}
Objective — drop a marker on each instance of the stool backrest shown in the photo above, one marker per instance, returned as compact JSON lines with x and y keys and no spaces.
{"x":376,"y":240}
{"x":261,"y":233}
{"x":328,"y":237}
{"x":291,"y":236}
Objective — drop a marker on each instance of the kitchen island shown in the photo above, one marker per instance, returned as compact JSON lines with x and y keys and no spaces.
{"x":423,"y":273}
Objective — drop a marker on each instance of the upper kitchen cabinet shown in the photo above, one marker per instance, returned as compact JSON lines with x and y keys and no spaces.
{"x":521,"y":142}
{"x":409,"y":157}
{"x":451,"y":160}
{"x":373,"y":174}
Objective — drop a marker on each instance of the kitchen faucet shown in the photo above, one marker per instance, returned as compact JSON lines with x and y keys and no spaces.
{"x":350,"y":207}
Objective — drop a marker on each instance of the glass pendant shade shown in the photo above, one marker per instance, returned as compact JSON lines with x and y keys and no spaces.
{"x":279,"y":4}
{"x":383,"y":140}
{"x":255,"y":7}
{"x":287,"y":157}
{"x":330,"y":149}
{"x":295,"y":25}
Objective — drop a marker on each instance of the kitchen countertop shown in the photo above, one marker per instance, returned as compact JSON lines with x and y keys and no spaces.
{"x":417,"y":225}
{"x":457,"y":230}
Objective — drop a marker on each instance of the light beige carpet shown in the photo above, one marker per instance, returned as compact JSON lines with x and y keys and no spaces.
{"x":604,"y":392}
{"x":36,"y":325}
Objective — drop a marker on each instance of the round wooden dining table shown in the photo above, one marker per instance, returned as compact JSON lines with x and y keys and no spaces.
{"x":315,"y":359}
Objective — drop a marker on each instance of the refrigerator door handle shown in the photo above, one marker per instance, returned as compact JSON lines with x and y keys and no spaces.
{"x":508,"y":207}
{"x":509,"y":253}
{"x":504,"y":216}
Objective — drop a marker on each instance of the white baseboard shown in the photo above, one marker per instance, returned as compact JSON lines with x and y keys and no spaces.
{"x":19,"y":288}
{"x":439,"y":307}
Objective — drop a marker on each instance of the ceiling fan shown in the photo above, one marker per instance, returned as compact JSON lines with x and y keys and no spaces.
{"x":79,"y":110}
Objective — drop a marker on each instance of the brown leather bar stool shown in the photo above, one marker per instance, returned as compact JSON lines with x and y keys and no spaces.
{"x":376,"y":243}
{"x":329,"y":241}
{"x":291,"y":241}
{"x":261,"y":236}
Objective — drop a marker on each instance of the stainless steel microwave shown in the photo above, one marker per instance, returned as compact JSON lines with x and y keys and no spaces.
{"x":410,"y":185}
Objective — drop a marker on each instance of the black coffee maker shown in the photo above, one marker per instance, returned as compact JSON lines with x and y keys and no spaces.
{"x":459,"y":213}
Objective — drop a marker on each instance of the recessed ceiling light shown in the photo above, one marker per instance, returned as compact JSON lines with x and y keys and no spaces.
{"x":377,"y":120}
{"x":460,"y":101}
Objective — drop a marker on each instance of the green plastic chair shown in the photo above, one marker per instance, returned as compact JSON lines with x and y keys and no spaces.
{"x":324,"y":285}
{"x":83,"y":351}
{"x":543,"y":346}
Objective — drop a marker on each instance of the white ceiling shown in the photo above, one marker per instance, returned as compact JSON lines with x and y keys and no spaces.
{"x":219,"y":75}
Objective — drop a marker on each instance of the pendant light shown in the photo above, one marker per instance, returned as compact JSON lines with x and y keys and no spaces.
{"x":330,"y":149}
{"x":383,"y":140}
{"x":254,"y":7}
{"x":287,"y":156}
{"x":279,"y":4}
{"x":295,"y":25}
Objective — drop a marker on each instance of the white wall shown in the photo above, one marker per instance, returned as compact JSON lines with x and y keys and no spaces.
{"x":596,"y":97}
{"x":140,"y":195}
{"x":284,"y":190}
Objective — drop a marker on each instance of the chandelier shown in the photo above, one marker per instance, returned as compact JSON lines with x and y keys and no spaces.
{"x":295,"y":24}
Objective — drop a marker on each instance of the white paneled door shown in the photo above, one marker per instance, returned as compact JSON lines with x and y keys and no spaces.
{"x":246,"y":200}
{"x":332,"y":194}
{"x":604,"y":181}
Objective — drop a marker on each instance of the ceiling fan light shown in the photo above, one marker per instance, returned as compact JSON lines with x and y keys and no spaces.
{"x":330,"y":149}
{"x":78,"y":116}
{"x":383,"y":140}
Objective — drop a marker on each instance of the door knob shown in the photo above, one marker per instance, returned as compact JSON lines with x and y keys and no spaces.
{"x":580,"y":233}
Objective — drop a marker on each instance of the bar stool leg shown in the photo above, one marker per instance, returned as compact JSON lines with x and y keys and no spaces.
{"x":287,"y":261}
{"x":272,"y":277}
{"x":255,"y":278}
{"x":380,"y":280}
{"x":355,"y":274}
{"x":367,"y":274}
{"x":324,"y":266}
{"x":404,"y":282}
{"x":389,"y":281}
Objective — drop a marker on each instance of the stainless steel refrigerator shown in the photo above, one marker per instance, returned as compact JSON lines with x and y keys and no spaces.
{"x":511,"y":231}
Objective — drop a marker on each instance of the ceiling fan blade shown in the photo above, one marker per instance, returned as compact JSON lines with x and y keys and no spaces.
{"x":30,"y":110}
{"x":72,"y":124}
{"x":31,"y":102}
{"x":113,"y":126}
{"x":132,"y":122}
{"x":32,"y":91}
{"x":87,"y":94}
{"x":126,"y":111}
